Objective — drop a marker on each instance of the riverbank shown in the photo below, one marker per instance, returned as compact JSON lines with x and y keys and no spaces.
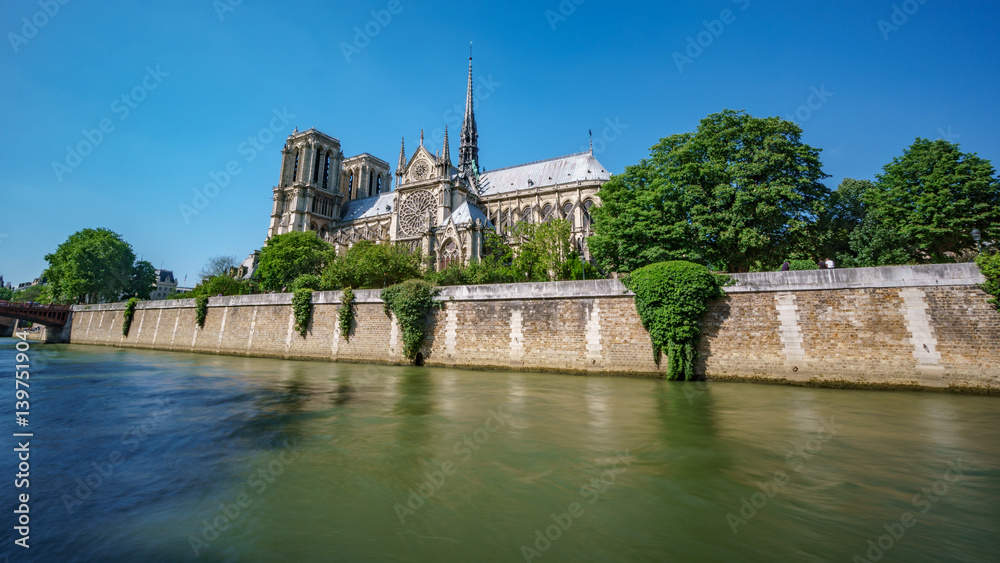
{"x":908,"y":327}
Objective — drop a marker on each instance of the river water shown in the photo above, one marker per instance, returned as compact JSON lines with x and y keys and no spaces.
{"x":157,"y":456}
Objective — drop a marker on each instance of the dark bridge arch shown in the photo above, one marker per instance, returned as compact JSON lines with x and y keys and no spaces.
{"x":48,"y":315}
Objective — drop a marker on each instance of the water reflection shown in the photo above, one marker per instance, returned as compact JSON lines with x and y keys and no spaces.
{"x":369,"y":435}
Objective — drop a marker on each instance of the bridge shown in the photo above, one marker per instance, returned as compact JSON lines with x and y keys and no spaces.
{"x":48,"y":315}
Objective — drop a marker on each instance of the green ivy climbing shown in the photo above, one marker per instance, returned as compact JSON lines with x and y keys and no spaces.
{"x":302,"y":307}
{"x":201,"y":310}
{"x":671,"y":297}
{"x":129,"y":315}
{"x":346,"y":313}
{"x":989,"y":265}
{"x":410,"y":301}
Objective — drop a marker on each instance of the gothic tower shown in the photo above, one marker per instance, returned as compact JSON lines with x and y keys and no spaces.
{"x":468,"y":151}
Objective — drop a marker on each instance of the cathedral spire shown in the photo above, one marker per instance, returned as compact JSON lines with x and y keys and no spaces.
{"x":402,"y":157}
{"x":468,"y":152}
{"x":446,"y":149}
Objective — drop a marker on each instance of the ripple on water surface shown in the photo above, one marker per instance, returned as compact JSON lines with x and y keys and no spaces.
{"x":143,"y":455}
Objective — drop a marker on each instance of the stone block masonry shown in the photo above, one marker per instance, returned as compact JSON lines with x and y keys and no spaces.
{"x":910,"y":327}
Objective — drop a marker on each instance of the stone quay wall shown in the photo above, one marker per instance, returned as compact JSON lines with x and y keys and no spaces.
{"x":912,"y":326}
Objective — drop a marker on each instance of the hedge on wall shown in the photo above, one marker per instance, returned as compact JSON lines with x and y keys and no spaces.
{"x":989,"y":265}
{"x":129,"y":315}
{"x":346,"y":313}
{"x":302,"y":307}
{"x":410,"y":301}
{"x":201,"y":310}
{"x":671,"y":297}
{"x":798,"y":265}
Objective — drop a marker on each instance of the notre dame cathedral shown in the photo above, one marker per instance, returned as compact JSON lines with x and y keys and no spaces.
{"x":437,"y":207}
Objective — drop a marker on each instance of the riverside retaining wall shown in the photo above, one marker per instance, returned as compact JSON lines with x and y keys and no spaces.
{"x":926,"y":326}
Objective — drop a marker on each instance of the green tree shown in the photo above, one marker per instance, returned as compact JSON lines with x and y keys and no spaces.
{"x":642,"y":219}
{"x":739,"y":193}
{"x":542,"y":250}
{"x":35,"y":293}
{"x":217,"y":285}
{"x":844,"y":213}
{"x":97,"y":265}
{"x":6,"y":294}
{"x":934,"y":195}
{"x":288,"y":256}
{"x":367,"y":265}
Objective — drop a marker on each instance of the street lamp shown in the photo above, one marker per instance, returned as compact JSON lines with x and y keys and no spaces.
{"x":977,"y":236}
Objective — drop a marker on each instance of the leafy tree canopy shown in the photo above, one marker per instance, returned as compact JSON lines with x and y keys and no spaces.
{"x":6,"y":294}
{"x":739,"y":193}
{"x":933,"y":196}
{"x":288,"y":256}
{"x":97,"y":264}
{"x":367,"y":265}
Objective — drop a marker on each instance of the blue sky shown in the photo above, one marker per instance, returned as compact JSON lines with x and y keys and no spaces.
{"x":207,"y":84}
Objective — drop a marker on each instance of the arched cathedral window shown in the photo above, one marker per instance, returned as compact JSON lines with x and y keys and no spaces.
{"x":567,"y":212}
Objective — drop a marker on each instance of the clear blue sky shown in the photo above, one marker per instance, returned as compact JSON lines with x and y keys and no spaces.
{"x":218,"y":80}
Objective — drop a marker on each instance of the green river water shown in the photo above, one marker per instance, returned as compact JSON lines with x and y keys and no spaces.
{"x":157,"y":456}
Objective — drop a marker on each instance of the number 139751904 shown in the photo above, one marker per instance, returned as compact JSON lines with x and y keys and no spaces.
{"x":23,"y":363}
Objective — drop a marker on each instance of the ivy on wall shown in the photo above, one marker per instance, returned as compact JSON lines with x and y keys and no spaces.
{"x":129,"y":315}
{"x":346,"y":313}
{"x":302,"y":307}
{"x":671,"y":297}
{"x":989,"y":265}
{"x":201,"y":310}
{"x":410,"y":301}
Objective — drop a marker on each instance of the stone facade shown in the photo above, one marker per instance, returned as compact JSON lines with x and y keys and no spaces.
{"x":928,"y":328}
{"x":434,"y":206}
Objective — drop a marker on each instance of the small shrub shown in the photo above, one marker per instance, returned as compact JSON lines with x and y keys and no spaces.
{"x":308,"y":281}
{"x":201,"y":310}
{"x":129,"y":315}
{"x":346,"y":313}
{"x":989,"y":265}
{"x":302,"y":307}
{"x":799,"y":265}
{"x":671,"y":297}
{"x":410,"y":301}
